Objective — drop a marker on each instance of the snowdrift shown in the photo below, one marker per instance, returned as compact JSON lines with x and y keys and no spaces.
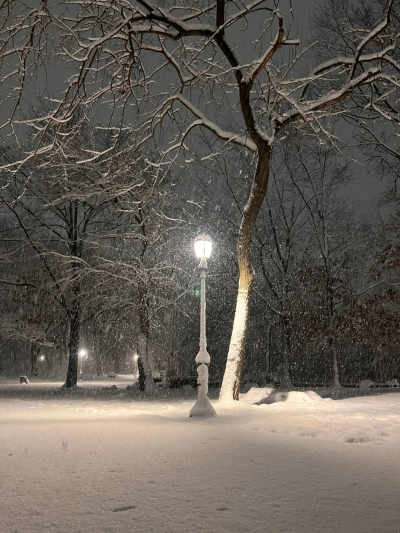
{"x":267,"y":396}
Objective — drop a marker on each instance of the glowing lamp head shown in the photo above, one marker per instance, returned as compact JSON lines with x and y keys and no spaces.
{"x":42,"y":358}
{"x":82,"y":353}
{"x":202,"y":246}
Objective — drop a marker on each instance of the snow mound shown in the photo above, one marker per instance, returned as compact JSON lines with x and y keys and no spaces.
{"x":256,"y":394}
{"x":291,"y":397}
{"x":202,"y":407}
{"x":316,"y":397}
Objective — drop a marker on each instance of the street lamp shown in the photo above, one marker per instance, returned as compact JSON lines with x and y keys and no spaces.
{"x":82,"y":354}
{"x":202,"y":407}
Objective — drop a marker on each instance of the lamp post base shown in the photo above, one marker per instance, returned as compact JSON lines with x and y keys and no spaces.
{"x":202,"y":407}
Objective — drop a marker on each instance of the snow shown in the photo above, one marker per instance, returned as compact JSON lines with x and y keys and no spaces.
{"x":292,"y":398}
{"x":255,"y":394}
{"x":116,"y":464}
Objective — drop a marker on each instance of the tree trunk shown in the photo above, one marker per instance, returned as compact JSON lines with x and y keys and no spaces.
{"x":336,"y":381}
{"x":72,"y":373}
{"x":143,"y":346}
{"x":75,"y":313}
{"x":146,"y":380}
{"x":234,"y":365}
{"x":142,"y":375}
{"x":99,"y":364}
{"x":34,"y":355}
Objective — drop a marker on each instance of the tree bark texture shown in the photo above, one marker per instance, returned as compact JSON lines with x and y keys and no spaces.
{"x":233,"y":371}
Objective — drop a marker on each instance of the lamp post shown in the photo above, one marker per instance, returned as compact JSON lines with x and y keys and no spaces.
{"x":81,"y":354}
{"x":202,"y":407}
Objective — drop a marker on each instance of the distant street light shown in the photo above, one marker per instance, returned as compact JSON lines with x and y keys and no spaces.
{"x":82,"y":354}
{"x":202,"y":407}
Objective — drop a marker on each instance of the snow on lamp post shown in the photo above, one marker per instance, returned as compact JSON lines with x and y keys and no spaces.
{"x":202,"y":407}
{"x":82,"y":354}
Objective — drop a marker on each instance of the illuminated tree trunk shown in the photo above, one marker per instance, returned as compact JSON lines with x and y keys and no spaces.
{"x":233,"y":371}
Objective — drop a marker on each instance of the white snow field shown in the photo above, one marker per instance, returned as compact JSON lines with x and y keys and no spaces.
{"x":78,"y":464}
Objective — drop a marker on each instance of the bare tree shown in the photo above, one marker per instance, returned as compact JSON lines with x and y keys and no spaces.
{"x":70,"y":218}
{"x":278,"y":242}
{"x":317,"y":175}
{"x":376,"y":138}
{"x":128,"y":50}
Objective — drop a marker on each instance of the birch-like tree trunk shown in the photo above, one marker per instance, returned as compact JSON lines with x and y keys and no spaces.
{"x":233,"y":372}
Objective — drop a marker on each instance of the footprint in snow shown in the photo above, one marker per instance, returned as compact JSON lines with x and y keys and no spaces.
{"x":309,"y":434}
{"x":125,"y":508}
{"x":358,"y":440}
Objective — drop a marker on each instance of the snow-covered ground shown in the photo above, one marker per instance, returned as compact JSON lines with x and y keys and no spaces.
{"x":112,"y":463}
